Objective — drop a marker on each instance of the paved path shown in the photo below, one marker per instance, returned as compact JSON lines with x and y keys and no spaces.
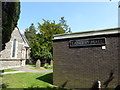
{"x":27,"y":69}
{"x":13,"y":72}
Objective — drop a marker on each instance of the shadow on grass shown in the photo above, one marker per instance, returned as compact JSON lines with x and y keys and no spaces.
{"x":4,"y":86}
{"x":47,"y":88}
{"x":47,"y":78}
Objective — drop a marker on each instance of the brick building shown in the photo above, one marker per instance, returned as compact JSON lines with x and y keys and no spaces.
{"x":16,"y":51}
{"x":81,"y":59}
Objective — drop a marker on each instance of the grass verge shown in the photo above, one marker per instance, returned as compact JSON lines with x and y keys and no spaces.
{"x":25,"y":80}
{"x":30,"y":80}
{"x":9,"y":70}
{"x":47,"y":67}
{"x":41,"y":68}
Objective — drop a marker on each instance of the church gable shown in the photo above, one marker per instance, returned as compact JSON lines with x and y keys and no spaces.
{"x":16,"y":35}
{"x":14,"y":47}
{"x":16,"y":51}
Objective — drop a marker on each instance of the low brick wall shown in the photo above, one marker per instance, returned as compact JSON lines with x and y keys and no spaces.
{"x":10,"y":63}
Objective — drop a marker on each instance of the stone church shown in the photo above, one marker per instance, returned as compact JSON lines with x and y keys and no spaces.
{"x":16,"y":52}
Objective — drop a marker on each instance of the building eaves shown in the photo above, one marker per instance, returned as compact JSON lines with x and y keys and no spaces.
{"x":87,"y":33}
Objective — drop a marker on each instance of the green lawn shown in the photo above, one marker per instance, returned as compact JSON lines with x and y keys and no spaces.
{"x":31,"y":65}
{"x":30,"y":80}
{"x":25,"y":80}
{"x":9,"y":70}
{"x":41,"y":68}
{"x":48,"y":67}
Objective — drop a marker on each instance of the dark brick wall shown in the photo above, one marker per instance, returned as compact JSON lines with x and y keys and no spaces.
{"x":81,"y":67}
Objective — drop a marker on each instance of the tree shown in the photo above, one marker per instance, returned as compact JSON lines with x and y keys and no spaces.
{"x":66,"y":27}
{"x":47,"y":30}
{"x":30,"y":33}
{"x":10,"y":13}
{"x":42,"y":44}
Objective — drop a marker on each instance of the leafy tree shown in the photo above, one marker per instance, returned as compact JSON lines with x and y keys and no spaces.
{"x":41,"y":43}
{"x":47,"y":30}
{"x":65,"y":26}
{"x":10,"y":13}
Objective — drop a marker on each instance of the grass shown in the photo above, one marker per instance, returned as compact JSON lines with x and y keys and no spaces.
{"x":41,"y":68}
{"x":24,"y":80}
{"x":32,"y":65}
{"x":47,"y":67}
{"x":9,"y":70}
{"x":30,"y":80}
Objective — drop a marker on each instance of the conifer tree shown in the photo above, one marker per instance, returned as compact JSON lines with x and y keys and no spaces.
{"x":10,"y":17}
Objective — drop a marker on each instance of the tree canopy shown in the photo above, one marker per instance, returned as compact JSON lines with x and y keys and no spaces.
{"x":30,"y":32}
{"x":42,"y":44}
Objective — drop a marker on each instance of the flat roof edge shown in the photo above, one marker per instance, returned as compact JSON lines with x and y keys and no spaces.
{"x":87,"y":33}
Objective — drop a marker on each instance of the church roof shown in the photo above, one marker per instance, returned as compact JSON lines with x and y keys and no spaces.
{"x":24,"y":38}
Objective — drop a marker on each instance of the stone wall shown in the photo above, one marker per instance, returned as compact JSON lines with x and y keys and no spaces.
{"x":7,"y":52}
{"x":81,"y":67}
{"x":20,"y":47}
{"x":6,"y":59}
{"x":10,"y":63}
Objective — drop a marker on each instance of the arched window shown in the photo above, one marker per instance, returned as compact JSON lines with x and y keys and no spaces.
{"x":14,"y":48}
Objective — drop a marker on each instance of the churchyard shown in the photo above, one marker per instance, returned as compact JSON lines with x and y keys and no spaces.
{"x":30,"y":80}
{"x":82,"y":59}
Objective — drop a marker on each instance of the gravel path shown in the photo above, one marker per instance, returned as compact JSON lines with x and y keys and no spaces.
{"x":27,"y":69}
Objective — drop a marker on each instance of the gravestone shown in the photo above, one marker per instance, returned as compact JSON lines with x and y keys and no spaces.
{"x":51,"y":62}
{"x":38,"y":64}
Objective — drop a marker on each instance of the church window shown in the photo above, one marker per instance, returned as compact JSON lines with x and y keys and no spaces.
{"x":14,"y":48}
